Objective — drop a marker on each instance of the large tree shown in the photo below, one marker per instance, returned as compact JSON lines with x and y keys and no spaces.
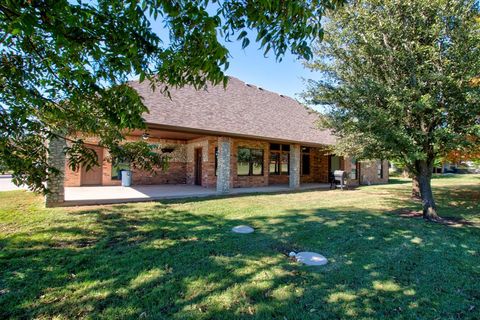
{"x":400,"y":81}
{"x":64,"y":66}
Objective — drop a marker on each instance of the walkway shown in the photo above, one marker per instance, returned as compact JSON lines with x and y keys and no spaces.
{"x":116,"y":194}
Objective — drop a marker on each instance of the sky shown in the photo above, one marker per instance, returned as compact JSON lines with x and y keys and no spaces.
{"x":252,"y":67}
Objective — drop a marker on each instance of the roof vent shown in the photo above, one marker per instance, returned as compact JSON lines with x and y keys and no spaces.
{"x":281,"y":95}
{"x":249,"y":85}
{"x":260,"y":88}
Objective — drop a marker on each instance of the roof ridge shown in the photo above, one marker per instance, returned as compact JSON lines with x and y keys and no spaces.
{"x":251,"y":85}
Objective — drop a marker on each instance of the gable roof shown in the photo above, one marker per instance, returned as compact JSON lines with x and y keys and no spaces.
{"x":240,"y":110}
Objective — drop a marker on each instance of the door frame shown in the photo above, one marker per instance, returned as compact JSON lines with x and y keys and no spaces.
{"x":198,"y":163}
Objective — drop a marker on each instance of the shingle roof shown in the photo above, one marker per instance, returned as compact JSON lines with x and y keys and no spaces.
{"x":238,"y":110}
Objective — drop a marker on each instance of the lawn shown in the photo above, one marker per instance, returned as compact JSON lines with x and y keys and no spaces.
{"x":179,"y":260}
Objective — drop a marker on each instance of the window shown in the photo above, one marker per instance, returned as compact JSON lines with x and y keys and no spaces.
{"x":249,"y":162}
{"x":243,"y":162}
{"x":279,"y":159}
{"x":284,"y":163}
{"x":256,"y":162}
{"x":353,"y":170}
{"x":274,"y":162}
{"x":275,"y":146}
{"x":305,"y":165}
{"x":118,"y":166}
{"x":380,"y":169}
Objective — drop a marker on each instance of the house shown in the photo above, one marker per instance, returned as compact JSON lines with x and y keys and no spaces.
{"x":241,"y":136}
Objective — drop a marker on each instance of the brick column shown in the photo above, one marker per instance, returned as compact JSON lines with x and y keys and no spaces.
{"x":56,"y":158}
{"x":294,"y":178}
{"x":223,"y":166}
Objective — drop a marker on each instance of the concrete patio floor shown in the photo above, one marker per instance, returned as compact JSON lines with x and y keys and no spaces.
{"x":75,"y":196}
{"x":6,"y":183}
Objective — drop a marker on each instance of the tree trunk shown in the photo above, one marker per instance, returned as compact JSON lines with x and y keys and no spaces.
{"x":424,"y":169}
{"x":416,"y":188}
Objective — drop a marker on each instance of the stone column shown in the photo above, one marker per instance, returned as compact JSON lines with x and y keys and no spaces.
{"x":294,"y":178}
{"x":56,"y":158}
{"x":223,"y":165}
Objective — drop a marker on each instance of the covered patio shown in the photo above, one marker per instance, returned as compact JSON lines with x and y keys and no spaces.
{"x":213,"y":145}
{"x":76,"y":196}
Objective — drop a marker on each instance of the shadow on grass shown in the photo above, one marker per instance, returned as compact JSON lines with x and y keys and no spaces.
{"x":458,"y":202}
{"x":446,"y":176}
{"x":399,"y":180}
{"x":163,"y":262}
{"x":454,"y":175}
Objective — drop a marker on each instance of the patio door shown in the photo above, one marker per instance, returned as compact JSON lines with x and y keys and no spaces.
{"x":198,"y":166}
{"x":93,"y":177}
{"x":335,"y":163}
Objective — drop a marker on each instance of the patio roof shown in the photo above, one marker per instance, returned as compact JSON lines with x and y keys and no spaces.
{"x":240,"y":110}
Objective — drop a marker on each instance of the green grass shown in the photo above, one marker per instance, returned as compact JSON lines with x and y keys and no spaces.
{"x":179,"y":260}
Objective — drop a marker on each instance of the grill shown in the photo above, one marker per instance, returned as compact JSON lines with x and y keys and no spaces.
{"x":340,"y":179}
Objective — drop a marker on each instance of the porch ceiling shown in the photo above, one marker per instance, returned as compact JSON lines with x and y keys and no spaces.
{"x":191,"y":133}
{"x":165,"y":134}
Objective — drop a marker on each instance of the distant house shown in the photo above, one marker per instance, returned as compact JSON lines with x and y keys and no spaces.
{"x":241,"y":136}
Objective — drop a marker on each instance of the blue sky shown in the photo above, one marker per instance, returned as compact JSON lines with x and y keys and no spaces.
{"x":251,"y":66}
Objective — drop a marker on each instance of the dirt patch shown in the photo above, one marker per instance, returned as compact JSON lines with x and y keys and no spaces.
{"x":407,"y":213}
{"x":448,"y":221}
{"x":456,"y":222}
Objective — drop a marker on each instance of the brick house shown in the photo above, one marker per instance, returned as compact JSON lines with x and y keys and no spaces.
{"x":241,"y":136}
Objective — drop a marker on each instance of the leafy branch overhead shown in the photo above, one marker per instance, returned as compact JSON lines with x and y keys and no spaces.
{"x":65,"y":64}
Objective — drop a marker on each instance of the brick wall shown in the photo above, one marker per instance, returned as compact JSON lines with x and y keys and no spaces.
{"x":320,"y":166}
{"x":72,"y":178}
{"x":348,"y":166}
{"x":318,"y":170}
{"x":280,"y":179}
{"x":368,"y":172}
{"x":182,"y":166}
{"x":207,"y":145}
{"x":175,"y":173}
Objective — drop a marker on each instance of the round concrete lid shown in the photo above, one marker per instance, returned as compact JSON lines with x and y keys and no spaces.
{"x":242,"y":229}
{"x":311,"y":258}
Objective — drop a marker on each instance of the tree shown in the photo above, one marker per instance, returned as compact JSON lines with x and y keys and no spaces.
{"x":399,"y":81}
{"x":64,"y":67}
{"x":464,"y":154}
